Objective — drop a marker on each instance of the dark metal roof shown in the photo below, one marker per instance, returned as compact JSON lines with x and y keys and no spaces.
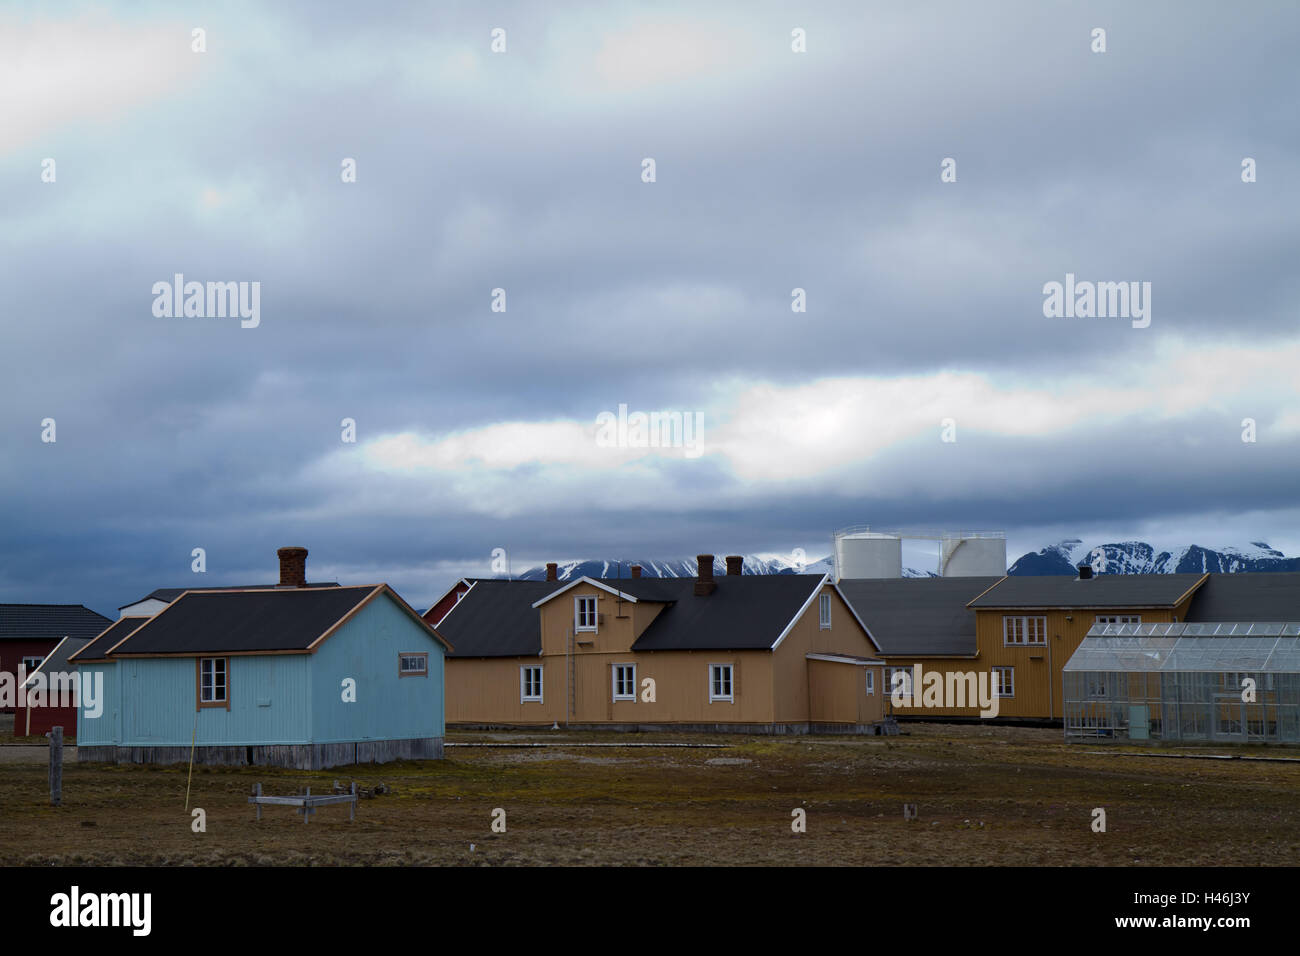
{"x":1256,"y":596}
{"x":917,"y":615}
{"x":745,"y":612}
{"x":95,"y":649}
{"x":56,"y":662}
{"x":496,"y":618}
{"x":232,"y":622}
{"x":1100,"y":591}
{"x":40,"y":622}
{"x":171,"y":594}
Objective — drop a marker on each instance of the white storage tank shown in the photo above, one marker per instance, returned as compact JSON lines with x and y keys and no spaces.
{"x":868,"y":554}
{"x":974,"y":554}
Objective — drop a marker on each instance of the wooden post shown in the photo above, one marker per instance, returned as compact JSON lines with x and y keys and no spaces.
{"x":56,"y":766}
{"x":259,"y":805}
{"x":352,"y":807}
{"x":306,"y":808}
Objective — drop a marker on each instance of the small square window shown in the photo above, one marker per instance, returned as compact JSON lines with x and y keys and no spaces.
{"x":412,"y":665}
{"x":1004,"y":678}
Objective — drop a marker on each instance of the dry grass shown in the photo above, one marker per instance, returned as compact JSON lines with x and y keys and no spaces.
{"x":986,"y":795}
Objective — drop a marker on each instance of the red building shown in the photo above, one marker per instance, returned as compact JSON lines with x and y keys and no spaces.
{"x":446,"y":602}
{"x":29,"y":632}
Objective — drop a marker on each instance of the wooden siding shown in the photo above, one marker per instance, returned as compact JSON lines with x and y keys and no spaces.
{"x":1038,"y":669}
{"x":845,"y":636}
{"x":768,"y":688}
{"x":486,"y":690}
{"x":388,"y":706}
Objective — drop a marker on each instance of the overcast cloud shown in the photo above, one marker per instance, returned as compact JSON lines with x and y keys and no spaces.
{"x":775,"y":170}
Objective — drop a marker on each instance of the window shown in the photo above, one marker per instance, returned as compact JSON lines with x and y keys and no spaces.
{"x":1024,"y":630}
{"x":530,"y":683}
{"x":213,"y":685}
{"x":1119,"y":619}
{"x":720,"y":682}
{"x":825,"y":603}
{"x":1096,"y":685}
{"x":625,"y":682}
{"x":413,"y":665}
{"x":871,"y":681}
{"x":893,"y":680}
{"x":31,"y":663}
{"x":1004,"y":678}
{"x":584,"y":613}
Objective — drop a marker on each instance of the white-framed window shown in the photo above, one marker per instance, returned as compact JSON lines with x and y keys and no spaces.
{"x":212,"y":680}
{"x":871,"y":681}
{"x":1004,"y":679}
{"x":1096,"y":685}
{"x":584,"y":613}
{"x":825,"y":609}
{"x":1118,"y":619}
{"x":1020,"y":631}
{"x":31,"y":663}
{"x":413,"y":665}
{"x":530,"y":683}
{"x":625,"y":682}
{"x":891,"y":683}
{"x":720,"y":683}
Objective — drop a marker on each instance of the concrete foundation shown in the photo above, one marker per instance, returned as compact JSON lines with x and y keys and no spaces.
{"x":295,"y":756}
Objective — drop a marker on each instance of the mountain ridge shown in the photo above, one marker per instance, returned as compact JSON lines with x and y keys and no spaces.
{"x":1061,"y":558}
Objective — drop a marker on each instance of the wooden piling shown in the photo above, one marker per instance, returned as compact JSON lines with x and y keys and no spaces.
{"x":56,"y":766}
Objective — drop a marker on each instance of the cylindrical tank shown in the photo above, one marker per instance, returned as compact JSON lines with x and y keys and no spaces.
{"x":868,"y":554}
{"x":965,"y":557}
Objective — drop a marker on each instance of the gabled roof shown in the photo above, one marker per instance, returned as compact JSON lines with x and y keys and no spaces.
{"x":745,"y":612}
{"x":1100,"y":591}
{"x":40,"y":622}
{"x":280,"y":620}
{"x":921,"y":616}
{"x":500,"y":618}
{"x":448,"y":593}
{"x":496,"y":618}
{"x":98,"y":648}
{"x":171,"y":594}
{"x":56,"y":661}
{"x":614,"y":586}
{"x":1255,"y":596}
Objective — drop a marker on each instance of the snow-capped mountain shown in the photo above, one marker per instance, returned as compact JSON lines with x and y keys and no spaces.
{"x":761,"y":563}
{"x":1125,"y":557}
{"x":1139,"y":557}
{"x":679,"y":567}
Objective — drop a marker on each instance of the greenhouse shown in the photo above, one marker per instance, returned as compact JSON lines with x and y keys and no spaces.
{"x":1226,"y":682}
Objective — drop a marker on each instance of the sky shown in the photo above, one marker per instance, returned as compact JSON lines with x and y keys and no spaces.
{"x":922,"y":385}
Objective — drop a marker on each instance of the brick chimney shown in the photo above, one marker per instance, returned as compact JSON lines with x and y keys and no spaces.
{"x":636,"y":570}
{"x":704,"y":583}
{"x":552,"y":571}
{"x":293,"y":567}
{"x":735,"y":563}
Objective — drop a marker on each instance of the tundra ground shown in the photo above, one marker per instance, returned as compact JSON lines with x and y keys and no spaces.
{"x":985,"y":795}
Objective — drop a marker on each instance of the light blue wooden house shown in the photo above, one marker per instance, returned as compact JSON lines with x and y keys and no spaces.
{"x":290,"y":676}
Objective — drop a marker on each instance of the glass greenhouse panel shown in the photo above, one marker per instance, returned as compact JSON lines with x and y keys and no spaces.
{"x":1217,"y":682}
